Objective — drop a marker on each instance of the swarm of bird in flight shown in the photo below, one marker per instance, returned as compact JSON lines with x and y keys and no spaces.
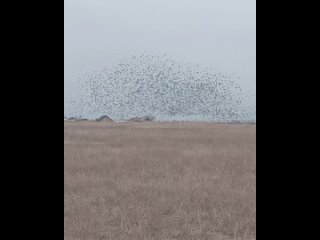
{"x":148,"y":85}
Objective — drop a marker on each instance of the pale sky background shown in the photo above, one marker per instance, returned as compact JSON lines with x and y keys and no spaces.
{"x":216,"y":33}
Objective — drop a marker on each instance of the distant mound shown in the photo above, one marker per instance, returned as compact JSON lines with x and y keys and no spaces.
{"x":75,"y":119}
{"x":104,"y":119}
{"x":141,"y":119}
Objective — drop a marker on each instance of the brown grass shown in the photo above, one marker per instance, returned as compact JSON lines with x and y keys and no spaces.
{"x":157,"y":181}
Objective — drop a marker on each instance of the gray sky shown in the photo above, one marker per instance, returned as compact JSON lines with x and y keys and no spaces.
{"x":215,"y":33}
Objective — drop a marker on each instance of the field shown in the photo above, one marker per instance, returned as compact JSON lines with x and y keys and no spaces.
{"x":158,"y":181}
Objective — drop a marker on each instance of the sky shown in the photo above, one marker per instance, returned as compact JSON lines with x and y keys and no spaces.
{"x":220,"y":34}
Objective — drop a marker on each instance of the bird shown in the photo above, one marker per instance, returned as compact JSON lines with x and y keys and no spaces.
{"x":159,"y":86}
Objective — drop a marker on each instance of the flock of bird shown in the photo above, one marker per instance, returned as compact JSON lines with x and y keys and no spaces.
{"x":158,"y":86}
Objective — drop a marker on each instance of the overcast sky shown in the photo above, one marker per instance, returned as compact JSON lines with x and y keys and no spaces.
{"x":216,"y":33}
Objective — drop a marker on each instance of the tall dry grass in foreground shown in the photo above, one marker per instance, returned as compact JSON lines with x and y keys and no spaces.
{"x":144,"y":181}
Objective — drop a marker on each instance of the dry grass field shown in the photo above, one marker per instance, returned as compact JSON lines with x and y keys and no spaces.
{"x":159,"y":181}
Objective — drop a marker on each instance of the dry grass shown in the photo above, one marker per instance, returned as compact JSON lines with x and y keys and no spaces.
{"x":144,"y":181}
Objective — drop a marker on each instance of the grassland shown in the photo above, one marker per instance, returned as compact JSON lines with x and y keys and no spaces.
{"x":159,"y":181}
